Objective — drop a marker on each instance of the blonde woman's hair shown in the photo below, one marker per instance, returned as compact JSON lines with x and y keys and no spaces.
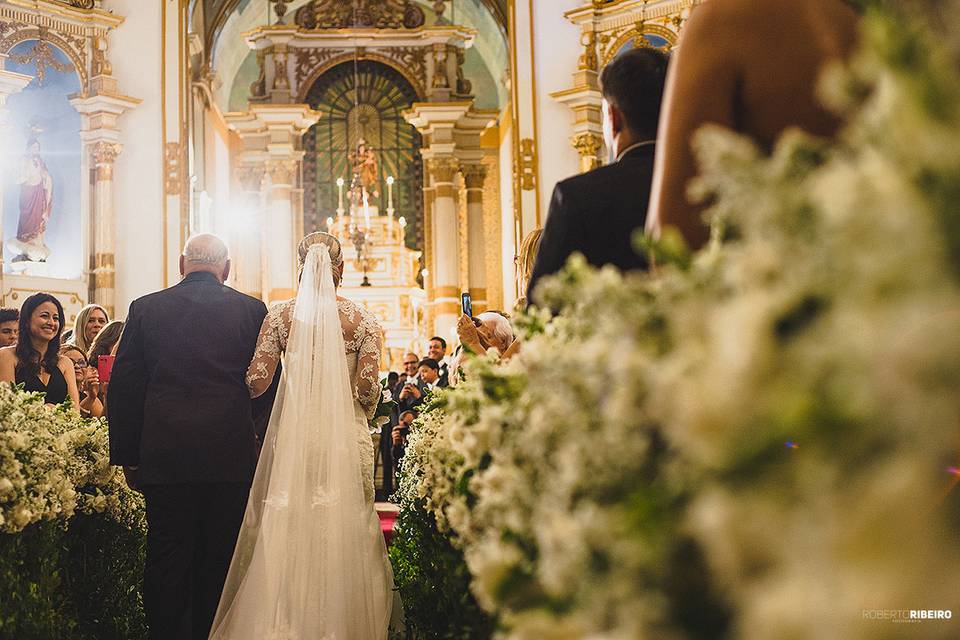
{"x":336,"y":252}
{"x":79,"y":337}
{"x":103,"y":343}
{"x":526,"y":258}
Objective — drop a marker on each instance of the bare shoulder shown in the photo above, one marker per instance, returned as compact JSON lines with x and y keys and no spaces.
{"x":65,"y":364}
{"x":8,"y":354}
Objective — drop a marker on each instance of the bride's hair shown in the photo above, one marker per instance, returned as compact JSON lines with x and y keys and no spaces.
{"x":336,"y":252}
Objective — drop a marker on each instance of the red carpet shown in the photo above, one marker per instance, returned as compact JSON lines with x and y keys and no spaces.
{"x":388,"y":516}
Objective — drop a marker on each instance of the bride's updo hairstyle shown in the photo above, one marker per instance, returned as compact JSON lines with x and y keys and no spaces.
{"x":336,"y":252}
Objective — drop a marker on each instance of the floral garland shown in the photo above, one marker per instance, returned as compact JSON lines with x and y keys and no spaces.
{"x":53,"y":463}
{"x":773,"y":419}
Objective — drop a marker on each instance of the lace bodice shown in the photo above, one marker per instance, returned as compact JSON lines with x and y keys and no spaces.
{"x":362,"y":337}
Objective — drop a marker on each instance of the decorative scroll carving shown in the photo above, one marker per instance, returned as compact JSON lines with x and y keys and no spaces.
{"x":41,"y":55}
{"x":79,"y":4}
{"x":343,"y":14}
{"x":72,"y":45}
{"x":443,"y":169}
{"x":528,"y":164}
{"x":171,"y":169}
{"x":589,"y":61}
{"x":309,"y":60}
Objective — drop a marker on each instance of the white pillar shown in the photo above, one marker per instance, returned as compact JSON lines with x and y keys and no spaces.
{"x":474,"y":176}
{"x":446,"y":245}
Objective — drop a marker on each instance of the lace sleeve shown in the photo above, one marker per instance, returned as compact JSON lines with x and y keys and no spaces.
{"x":368,"y":366}
{"x":270,"y":344}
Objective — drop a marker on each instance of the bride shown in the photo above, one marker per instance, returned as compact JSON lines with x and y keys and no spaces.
{"x":310,"y":562}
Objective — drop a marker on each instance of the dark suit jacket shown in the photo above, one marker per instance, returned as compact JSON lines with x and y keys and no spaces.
{"x":596,"y":213}
{"x":178,"y":400}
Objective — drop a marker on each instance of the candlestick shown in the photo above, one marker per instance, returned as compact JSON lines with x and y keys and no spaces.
{"x":366,"y":211}
{"x":390,"y":196}
{"x":340,"y":197}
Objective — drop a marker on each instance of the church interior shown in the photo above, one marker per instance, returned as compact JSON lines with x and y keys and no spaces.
{"x":245,"y":119}
{"x":649,"y":307}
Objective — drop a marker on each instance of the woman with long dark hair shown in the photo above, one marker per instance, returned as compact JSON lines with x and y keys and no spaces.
{"x":35,"y":361}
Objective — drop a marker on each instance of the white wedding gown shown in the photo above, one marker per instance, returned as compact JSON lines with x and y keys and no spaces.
{"x":310,"y":562}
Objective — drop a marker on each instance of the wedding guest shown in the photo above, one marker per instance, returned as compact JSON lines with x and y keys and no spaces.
{"x":35,"y":361}
{"x":489,"y":330}
{"x":524,"y":262}
{"x":106,"y":340}
{"x":437,"y":350}
{"x":91,"y":319}
{"x":392,"y":379}
{"x":9,"y":327}
{"x":399,"y":436}
{"x":88,"y":382}
{"x":596,"y":213}
{"x":429,"y":372}
{"x":409,"y":374}
{"x":411,"y":394}
{"x":183,"y":427}
{"x":751,"y":66}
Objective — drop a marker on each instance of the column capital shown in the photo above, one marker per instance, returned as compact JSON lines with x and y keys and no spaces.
{"x":105,"y":152}
{"x":283,"y":171}
{"x":474,"y":175}
{"x":588,"y":145}
{"x":250,"y":176}
{"x":443,"y":169}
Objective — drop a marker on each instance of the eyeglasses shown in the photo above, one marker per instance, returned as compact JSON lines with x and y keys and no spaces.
{"x":408,"y":364}
{"x":78,"y":364}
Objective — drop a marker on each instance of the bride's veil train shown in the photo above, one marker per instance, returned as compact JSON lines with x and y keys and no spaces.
{"x":310,"y":560}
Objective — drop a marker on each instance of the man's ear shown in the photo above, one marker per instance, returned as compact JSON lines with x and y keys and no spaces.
{"x":226,"y":271}
{"x":182,"y":273}
{"x":616,"y":119}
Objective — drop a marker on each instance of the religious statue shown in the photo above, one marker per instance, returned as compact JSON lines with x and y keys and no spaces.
{"x":364,"y":185}
{"x":36,"y":204}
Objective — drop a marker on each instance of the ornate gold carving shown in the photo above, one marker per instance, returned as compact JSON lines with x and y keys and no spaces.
{"x":258,"y":88}
{"x":528,"y":165}
{"x":101,"y":66}
{"x":104,"y":154}
{"x":104,"y":261}
{"x":41,"y":55}
{"x":280,"y":8}
{"x":443,"y":170}
{"x":171,"y":169}
{"x":473,"y":177}
{"x":410,"y":62}
{"x":588,"y":145}
{"x":250,"y":177}
{"x":589,"y":61}
{"x":343,"y":14}
{"x":440,"y":80}
{"x":280,"y":80}
{"x":79,"y":4}
{"x":283,"y":172}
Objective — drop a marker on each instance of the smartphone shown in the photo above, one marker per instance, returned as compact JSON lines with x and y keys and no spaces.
{"x":104,"y":367}
{"x":466,"y":303}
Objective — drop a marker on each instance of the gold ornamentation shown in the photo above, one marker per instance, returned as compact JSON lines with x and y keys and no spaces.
{"x":588,"y":145}
{"x":280,"y":8}
{"x":41,"y":55}
{"x":101,"y":66}
{"x":171,"y":169}
{"x":589,"y":61}
{"x":283,"y":172}
{"x":473,"y":177}
{"x":258,"y":88}
{"x":528,"y":165}
{"x":440,"y":80}
{"x":104,"y":154}
{"x":344,"y":14}
{"x":443,"y":170}
{"x":280,"y":80}
{"x":250,"y":177}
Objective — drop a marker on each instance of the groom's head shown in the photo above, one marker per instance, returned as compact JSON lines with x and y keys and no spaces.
{"x":207,"y":253}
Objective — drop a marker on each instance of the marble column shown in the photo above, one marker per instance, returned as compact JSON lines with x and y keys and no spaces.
{"x":446,"y":253}
{"x":244,"y":237}
{"x":474,"y":176}
{"x":280,"y":228}
{"x":103,"y":268}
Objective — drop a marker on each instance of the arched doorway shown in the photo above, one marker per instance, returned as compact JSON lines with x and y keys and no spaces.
{"x":364,"y":99}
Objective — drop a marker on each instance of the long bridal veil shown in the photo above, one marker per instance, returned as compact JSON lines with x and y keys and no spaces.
{"x":309,"y":562}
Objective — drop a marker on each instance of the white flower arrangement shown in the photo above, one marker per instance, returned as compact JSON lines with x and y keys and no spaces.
{"x":54,"y":463}
{"x":774,"y":420}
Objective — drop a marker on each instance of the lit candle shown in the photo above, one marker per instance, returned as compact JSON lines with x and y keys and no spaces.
{"x":390,"y":196}
{"x":340,"y":197}
{"x":329,"y":223}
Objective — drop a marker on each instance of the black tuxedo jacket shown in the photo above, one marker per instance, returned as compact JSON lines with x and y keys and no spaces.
{"x":178,"y":400}
{"x":596,"y":213}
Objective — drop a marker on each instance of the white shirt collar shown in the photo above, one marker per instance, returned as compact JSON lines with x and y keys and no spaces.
{"x":634,"y":146}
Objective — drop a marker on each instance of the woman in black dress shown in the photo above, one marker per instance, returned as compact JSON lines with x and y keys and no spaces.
{"x":35,"y":361}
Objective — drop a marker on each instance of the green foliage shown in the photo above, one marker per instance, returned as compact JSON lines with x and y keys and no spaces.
{"x":434,"y":582}
{"x":80,"y":581}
